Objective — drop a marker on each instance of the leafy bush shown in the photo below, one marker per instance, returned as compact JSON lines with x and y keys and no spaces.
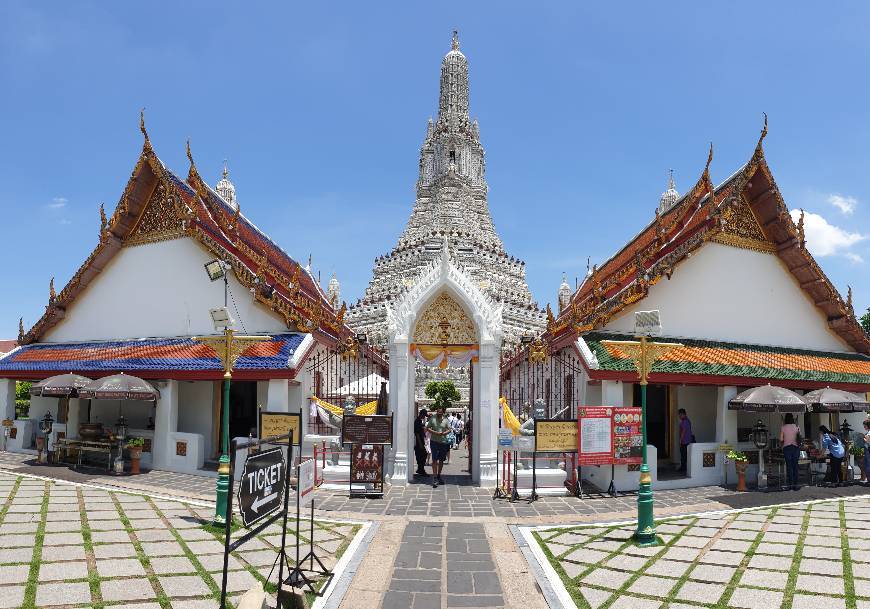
{"x":736,"y":455}
{"x":443,"y":392}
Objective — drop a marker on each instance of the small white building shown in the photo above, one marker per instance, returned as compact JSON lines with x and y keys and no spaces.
{"x":136,"y":304}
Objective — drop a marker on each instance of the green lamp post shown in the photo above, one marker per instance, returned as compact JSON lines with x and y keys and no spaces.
{"x":644,"y":354}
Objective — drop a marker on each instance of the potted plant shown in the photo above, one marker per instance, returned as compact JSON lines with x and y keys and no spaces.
{"x":135,"y":445}
{"x":741,"y":461}
{"x":857,"y":453}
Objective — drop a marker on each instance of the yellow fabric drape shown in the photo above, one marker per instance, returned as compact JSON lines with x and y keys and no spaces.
{"x":507,"y":415}
{"x":366,"y":409}
{"x":443,"y":356}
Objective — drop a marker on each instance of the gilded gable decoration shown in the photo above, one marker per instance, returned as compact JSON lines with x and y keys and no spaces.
{"x":740,"y":228}
{"x":444,"y":322}
{"x":159,"y":220}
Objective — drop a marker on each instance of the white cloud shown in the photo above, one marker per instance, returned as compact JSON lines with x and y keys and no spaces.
{"x":825,"y":239}
{"x":57,"y":203}
{"x":846,"y":205}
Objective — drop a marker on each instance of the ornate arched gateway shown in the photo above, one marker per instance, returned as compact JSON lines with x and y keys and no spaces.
{"x":445,"y":319}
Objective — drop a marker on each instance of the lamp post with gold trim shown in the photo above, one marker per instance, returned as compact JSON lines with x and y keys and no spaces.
{"x":644,"y":354}
{"x":228,"y":348}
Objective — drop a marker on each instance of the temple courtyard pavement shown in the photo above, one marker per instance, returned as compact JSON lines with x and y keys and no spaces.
{"x":73,"y":539}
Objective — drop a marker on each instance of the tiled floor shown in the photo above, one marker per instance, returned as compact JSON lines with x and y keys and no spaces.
{"x":791,"y":556}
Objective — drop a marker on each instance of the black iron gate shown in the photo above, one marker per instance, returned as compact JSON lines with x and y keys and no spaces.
{"x":535,"y":374}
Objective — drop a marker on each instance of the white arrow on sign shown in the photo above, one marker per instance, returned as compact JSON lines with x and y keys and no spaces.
{"x":259,"y":501}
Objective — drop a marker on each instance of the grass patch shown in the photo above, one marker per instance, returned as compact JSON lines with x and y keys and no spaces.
{"x":36,"y":561}
{"x":848,"y":581}
{"x":93,"y":576}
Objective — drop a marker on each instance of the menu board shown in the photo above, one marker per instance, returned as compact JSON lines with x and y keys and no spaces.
{"x":627,"y":436}
{"x":595,"y":434}
{"x":555,"y":436}
{"x":367,"y":463}
{"x":280,"y":423}
{"x":361,"y":429}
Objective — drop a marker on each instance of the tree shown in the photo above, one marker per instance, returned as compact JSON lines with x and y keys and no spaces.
{"x":443,"y":392}
{"x":865,"y":321}
{"x":22,"y":399}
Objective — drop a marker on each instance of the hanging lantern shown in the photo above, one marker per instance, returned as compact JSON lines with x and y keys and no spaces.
{"x":760,"y":435}
{"x":845,"y":430}
{"x":121,"y":428}
{"x":46,"y":424}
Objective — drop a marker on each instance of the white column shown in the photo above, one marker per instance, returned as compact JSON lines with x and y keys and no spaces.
{"x":485,"y":430}
{"x":612,"y":393}
{"x":73,"y":418}
{"x":277,"y":396}
{"x":7,"y":399}
{"x":726,"y":420}
{"x":401,"y":394}
{"x":165,"y":425}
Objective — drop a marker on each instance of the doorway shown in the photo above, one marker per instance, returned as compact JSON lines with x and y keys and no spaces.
{"x":243,"y":409}
{"x":658,"y":417}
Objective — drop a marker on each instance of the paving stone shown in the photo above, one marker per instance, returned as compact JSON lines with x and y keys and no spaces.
{"x":669,"y":568}
{"x":114,"y":550}
{"x":691,"y":542}
{"x":110,"y":537}
{"x":14,"y":574}
{"x":127,"y":589}
{"x":594,"y":597}
{"x":477,"y":600}
{"x":591,"y":557}
{"x":824,"y":567}
{"x":749,"y":598}
{"x":572,"y":569}
{"x":58,"y":553}
{"x":63,"y":594}
{"x":731,"y":545}
{"x":779,"y":549}
{"x":119,"y":567}
{"x":12,"y":596}
{"x":394,"y":600}
{"x":820,"y":583}
{"x":183,"y":585}
{"x":240,"y":581}
{"x":775,"y":563}
{"x":424,"y":600}
{"x":606,"y":578}
{"x":701,"y":592}
{"x":685,"y":554}
{"x":154,"y":535}
{"x":162,"y":548}
{"x":764,"y":579}
{"x":815,"y":601}
{"x":56,"y":571}
{"x":653,"y":586}
{"x":206,"y":547}
{"x":739,"y":534}
{"x":632,"y":602}
{"x":712,"y":573}
{"x":487,"y":583}
{"x":862,"y":586}
{"x":10,"y":555}
{"x":201,"y":603}
{"x":171,"y":565}
{"x":722,"y":558}
{"x":215,"y":562}
{"x":625,"y":562}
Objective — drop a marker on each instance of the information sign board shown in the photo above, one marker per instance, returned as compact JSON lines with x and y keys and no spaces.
{"x":627,"y":436}
{"x":525,"y":443}
{"x":555,"y":436}
{"x":367,"y":463}
{"x":505,"y":438}
{"x":306,"y":482}
{"x":594,"y":431}
{"x":261,"y":486}
{"x":280,"y":423}
{"x":361,"y":429}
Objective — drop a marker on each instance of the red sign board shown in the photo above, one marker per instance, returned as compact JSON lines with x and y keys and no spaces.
{"x":609,"y":435}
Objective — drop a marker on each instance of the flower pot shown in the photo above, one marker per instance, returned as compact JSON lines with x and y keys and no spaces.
{"x":741,"y":466}
{"x":135,"y":456}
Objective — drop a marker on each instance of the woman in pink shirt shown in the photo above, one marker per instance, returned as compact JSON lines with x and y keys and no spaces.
{"x":789,"y":435}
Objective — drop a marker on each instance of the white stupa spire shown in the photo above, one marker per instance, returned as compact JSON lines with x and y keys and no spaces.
{"x":226,"y":189}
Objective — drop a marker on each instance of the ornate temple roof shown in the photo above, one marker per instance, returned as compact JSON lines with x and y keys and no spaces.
{"x":151,"y":357}
{"x":747,"y":211}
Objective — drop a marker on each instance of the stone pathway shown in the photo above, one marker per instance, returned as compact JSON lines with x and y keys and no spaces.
{"x":796,"y":556}
{"x":442,"y":565}
{"x":64,"y":545}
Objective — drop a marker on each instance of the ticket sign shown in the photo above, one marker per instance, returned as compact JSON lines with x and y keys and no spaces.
{"x":373,"y":429}
{"x":367,"y":463}
{"x":261,"y":486}
{"x":556,"y":436}
{"x":594,"y":432}
{"x":627,"y":436}
{"x":280,"y":423}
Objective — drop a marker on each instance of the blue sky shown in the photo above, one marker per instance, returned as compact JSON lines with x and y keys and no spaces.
{"x":321,"y":109}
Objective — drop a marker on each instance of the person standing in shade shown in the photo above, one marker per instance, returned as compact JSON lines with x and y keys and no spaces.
{"x":420,"y":452}
{"x":686,"y":438}
{"x":789,"y":435}
{"x":837,"y":450}
{"x":439,"y":428}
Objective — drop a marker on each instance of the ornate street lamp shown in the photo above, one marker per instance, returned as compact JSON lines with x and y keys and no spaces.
{"x":121,"y":429}
{"x":228,"y":349}
{"x":46,"y":424}
{"x":644,"y":354}
{"x":760,"y":435}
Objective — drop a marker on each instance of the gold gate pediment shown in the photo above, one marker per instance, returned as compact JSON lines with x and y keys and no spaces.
{"x":444,"y":322}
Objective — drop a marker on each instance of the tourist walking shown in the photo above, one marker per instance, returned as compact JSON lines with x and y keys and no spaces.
{"x":686,"y":438}
{"x":866,"y":470}
{"x":789,"y":436}
{"x":837,"y":450}
{"x":439,"y":428}
{"x":420,"y":452}
{"x":458,"y":426}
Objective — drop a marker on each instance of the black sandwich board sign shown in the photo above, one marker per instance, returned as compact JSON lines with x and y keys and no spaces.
{"x":261,"y":487}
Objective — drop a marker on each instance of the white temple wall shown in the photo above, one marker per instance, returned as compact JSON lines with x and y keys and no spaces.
{"x":136,"y":413}
{"x":158,"y":289}
{"x":195,"y":411}
{"x":737,"y":295}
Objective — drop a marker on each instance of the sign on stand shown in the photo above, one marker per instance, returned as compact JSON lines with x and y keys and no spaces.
{"x":367,"y":464}
{"x":306,"y":482}
{"x":278,"y":423}
{"x":595,"y":441}
{"x":261,"y":486}
{"x":371,"y":429}
{"x":627,"y":436}
{"x":555,"y":436}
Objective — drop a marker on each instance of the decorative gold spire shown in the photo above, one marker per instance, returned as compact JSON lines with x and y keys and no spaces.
{"x":800,"y":228}
{"x":849,"y":308}
{"x":455,"y":43}
{"x":52,"y":295}
{"x":20,"y":330}
{"x":143,"y":130}
{"x":759,"y":149}
{"x":226,"y":170}
{"x":103,"y":221}
{"x":192,"y":173}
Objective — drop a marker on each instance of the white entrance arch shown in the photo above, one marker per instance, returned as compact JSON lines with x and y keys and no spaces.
{"x":445,"y":275}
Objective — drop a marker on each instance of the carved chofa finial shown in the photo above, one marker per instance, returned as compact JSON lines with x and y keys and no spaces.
{"x":142,"y":128}
{"x":801,"y":233}
{"x":103,"y":221}
{"x":52,"y":295}
{"x":849,"y":299}
{"x":20,"y":330}
{"x":759,"y":150}
{"x":455,"y":44}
